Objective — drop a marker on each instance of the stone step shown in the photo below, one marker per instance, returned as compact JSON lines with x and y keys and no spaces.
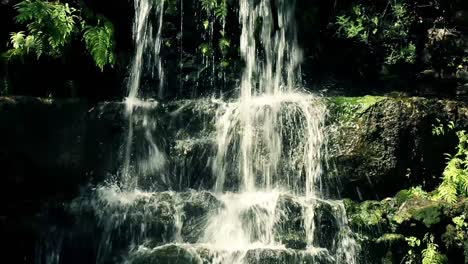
{"x":115,"y":220}
{"x":205,"y":254}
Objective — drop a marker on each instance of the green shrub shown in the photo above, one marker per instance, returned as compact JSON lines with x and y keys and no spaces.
{"x":386,"y":31}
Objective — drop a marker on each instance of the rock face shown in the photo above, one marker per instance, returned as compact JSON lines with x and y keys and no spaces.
{"x":381,"y":145}
{"x":376,"y":146}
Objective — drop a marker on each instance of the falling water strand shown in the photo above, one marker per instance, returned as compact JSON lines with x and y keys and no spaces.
{"x":147,"y":57}
{"x":181,"y":47}
{"x":143,"y":156}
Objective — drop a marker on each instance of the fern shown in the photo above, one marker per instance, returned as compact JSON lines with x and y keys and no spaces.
{"x":99,"y":41}
{"x":447,"y":191}
{"x":455,"y":176}
{"x":51,"y":26}
{"x":221,"y":10}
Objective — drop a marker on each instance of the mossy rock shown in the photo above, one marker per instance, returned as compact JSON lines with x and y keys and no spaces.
{"x":347,"y":109}
{"x":368,"y":217}
{"x":422,"y":210}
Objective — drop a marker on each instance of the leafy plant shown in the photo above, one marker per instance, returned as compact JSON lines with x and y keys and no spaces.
{"x":381,"y":30}
{"x":431,"y":254}
{"x":412,"y":256}
{"x":455,"y":176}
{"x":457,"y":233}
{"x":440,"y":129}
{"x":50,"y":26}
{"x":218,"y":7}
{"x":100,"y":42}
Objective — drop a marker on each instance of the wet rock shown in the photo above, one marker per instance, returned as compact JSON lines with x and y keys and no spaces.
{"x":290,"y":223}
{"x":168,"y":254}
{"x":326,"y":225}
{"x":461,"y":18}
{"x":462,"y":91}
{"x":383,"y":145}
{"x":120,"y":219}
{"x":198,"y":206}
{"x":191,"y":162}
{"x":279,"y":256}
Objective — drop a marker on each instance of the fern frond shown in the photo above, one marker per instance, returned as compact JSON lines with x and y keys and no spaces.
{"x":17,"y":39}
{"x":221,"y":10}
{"x":100,"y":43}
{"x":464,"y":183}
{"x":431,"y":254}
{"x":447,"y":191}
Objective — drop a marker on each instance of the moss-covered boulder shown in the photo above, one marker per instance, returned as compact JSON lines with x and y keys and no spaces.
{"x":383,"y":144}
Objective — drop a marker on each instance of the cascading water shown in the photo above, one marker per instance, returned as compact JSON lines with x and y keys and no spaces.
{"x":270,"y":142}
{"x":266,"y":204}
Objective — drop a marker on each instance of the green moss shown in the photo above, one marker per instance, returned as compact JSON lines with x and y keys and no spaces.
{"x":422,"y":210}
{"x":414,"y":192}
{"x":349,"y":108}
{"x":429,"y":215}
{"x":390,"y":238}
{"x":367,"y":217}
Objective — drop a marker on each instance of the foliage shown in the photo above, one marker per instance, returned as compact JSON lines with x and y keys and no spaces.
{"x":455,"y":176}
{"x":369,"y":214}
{"x":429,"y":215}
{"x":457,"y":233}
{"x":413,"y":192}
{"x":431,"y":254}
{"x":440,"y":129}
{"x":412,"y":256}
{"x":100,"y":42}
{"x":218,"y":7}
{"x":351,"y":108}
{"x":446,"y":50}
{"x":51,"y":26}
{"x":385,"y":30}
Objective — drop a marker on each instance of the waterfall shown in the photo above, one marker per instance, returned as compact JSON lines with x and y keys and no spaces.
{"x":266,"y":203}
